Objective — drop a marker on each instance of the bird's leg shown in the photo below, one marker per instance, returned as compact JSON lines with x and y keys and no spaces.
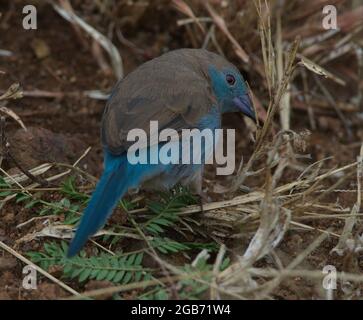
{"x":203,"y":198}
{"x":197,"y":187}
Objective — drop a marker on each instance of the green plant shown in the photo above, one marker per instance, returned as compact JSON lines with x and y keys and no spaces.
{"x":124,"y":267}
{"x":127,"y":267}
{"x":165,"y":212}
{"x":120,"y":268}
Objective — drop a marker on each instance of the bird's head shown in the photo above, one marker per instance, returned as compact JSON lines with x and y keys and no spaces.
{"x":231,"y":90}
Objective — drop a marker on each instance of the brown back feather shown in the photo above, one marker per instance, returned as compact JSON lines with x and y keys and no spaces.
{"x":173,"y":89}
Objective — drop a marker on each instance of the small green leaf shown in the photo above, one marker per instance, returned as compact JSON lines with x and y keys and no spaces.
{"x":119,"y":276}
{"x":127,"y":278}
{"x":85,"y":275}
{"x":102,"y":275}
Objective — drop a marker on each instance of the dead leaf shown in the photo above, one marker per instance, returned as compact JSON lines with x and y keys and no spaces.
{"x":312,"y":66}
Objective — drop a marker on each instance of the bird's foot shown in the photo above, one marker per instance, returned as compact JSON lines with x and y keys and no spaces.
{"x":203,"y":198}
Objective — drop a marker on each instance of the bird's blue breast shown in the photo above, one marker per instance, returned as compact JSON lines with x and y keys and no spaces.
{"x":165,"y":176}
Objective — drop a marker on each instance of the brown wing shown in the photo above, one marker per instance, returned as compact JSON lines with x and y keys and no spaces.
{"x":172,"y":90}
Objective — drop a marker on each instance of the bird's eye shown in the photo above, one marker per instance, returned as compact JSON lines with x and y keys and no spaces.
{"x":231,"y":80}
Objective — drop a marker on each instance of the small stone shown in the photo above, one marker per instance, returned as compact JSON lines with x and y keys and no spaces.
{"x":7,"y":263}
{"x":95,"y":285}
{"x":10,"y":217}
{"x":38,"y":145}
{"x":40,"y":48}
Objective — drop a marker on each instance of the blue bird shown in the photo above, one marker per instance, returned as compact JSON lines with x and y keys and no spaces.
{"x":181,"y":89}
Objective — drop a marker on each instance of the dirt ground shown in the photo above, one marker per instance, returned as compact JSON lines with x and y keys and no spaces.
{"x":74,"y":124}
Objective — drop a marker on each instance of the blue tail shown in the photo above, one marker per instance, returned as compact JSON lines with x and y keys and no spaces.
{"x":116,"y":179}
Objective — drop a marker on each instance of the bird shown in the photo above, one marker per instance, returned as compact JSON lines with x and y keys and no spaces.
{"x":180,"y":89}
